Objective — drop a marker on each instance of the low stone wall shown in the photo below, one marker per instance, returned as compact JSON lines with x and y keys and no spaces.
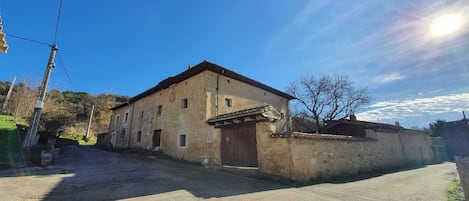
{"x":302,"y":157}
{"x":103,"y":139}
{"x":462,"y":164}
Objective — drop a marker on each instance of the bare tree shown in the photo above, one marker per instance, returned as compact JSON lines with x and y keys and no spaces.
{"x":328,"y":97}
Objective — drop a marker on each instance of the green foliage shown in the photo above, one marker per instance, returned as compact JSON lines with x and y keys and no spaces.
{"x":64,"y":112}
{"x":7,"y":122}
{"x":81,"y":140}
{"x":10,"y":152}
{"x":455,"y":191}
{"x":438,"y":128}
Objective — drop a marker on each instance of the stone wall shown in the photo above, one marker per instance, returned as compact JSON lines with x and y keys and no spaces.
{"x":203,"y":141}
{"x":462,"y":164}
{"x":303,"y":157}
{"x":457,"y":137}
{"x":103,"y":139}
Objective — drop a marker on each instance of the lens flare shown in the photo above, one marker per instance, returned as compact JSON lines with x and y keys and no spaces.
{"x":446,"y":24}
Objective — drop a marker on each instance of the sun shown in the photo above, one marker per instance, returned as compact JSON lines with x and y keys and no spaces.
{"x":446,"y":24}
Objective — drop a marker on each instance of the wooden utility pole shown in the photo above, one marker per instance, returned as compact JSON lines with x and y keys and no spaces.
{"x":4,"y":108}
{"x":32,"y":137}
{"x":89,"y":123}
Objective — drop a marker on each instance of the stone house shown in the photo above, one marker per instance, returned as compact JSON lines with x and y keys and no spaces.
{"x":207,"y":113}
{"x":212,"y":115}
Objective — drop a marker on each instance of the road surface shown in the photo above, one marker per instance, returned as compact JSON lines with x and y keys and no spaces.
{"x":87,"y":173}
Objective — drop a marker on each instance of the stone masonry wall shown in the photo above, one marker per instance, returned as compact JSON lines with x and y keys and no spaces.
{"x":203,"y":141}
{"x":462,"y":164}
{"x":305,"y":158}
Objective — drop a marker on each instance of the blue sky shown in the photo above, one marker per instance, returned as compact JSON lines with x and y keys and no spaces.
{"x":125,"y":47}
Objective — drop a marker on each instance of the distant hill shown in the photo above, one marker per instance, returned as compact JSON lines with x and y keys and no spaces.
{"x":64,"y":112}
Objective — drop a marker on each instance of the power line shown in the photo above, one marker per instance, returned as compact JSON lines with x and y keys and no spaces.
{"x":65,"y":71}
{"x":30,"y":40}
{"x":58,"y":20}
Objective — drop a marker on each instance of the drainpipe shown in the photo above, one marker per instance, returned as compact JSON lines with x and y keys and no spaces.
{"x":130,"y":120}
{"x":217,"y":89}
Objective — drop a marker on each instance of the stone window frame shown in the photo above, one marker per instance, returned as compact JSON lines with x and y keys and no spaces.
{"x":228,"y":102}
{"x":160,"y":110}
{"x":182,"y":140}
{"x":118,"y":117}
{"x":123,"y":133}
{"x":126,"y":117}
{"x":139,"y":136}
{"x":185,"y":103}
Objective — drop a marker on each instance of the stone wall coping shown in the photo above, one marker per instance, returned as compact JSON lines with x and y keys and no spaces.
{"x":319,"y":136}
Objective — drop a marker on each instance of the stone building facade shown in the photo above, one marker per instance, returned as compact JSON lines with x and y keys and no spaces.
{"x":187,"y":115}
{"x":212,"y":115}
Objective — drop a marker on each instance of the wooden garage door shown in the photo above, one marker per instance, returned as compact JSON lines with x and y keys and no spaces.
{"x":239,"y":146}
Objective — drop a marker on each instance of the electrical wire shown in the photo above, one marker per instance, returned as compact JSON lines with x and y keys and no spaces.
{"x":57,"y":23}
{"x":66,"y":72}
{"x":30,"y":40}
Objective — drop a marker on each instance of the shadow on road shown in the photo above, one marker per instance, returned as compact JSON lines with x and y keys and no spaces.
{"x":102,"y":175}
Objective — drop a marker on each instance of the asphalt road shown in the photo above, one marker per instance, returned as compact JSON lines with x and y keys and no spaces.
{"x":86,"y":173}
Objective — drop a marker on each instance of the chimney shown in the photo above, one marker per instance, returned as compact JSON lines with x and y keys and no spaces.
{"x":353,"y":117}
{"x":189,"y":67}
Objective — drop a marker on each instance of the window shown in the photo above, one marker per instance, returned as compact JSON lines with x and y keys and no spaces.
{"x":118,"y":117}
{"x":185,"y":103}
{"x":126,"y":116}
{"x":227,"y":102}
{"x":139,"y":136}
{"x":182,"y":140}
{"x":160,"y":110}
{"x":123,"y":133}
{"x":141,"y":114}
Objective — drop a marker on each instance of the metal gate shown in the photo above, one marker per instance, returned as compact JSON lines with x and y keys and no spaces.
{"x":239,"y":146}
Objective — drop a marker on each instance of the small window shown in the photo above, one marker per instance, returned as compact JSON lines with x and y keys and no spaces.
{"x":141,"y":114}
{"x":227,"y":102}
{"x":139,"y":136}
{"x":126,"y":116}
{"x":185,"y":103}
{"x":160,"y":110}
{"x":123,"y":133}
{"x":182,"y":140}
{"x":118,"y":117}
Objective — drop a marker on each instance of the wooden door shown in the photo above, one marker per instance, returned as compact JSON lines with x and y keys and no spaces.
{"x":239,"y":146}
{"x":156,"y":138}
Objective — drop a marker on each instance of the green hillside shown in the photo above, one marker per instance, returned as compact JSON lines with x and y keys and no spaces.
{"x":10,"y":149}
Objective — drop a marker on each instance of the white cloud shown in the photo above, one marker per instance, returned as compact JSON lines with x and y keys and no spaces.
{"x":426,"y":110}
{"x":383,"y":79}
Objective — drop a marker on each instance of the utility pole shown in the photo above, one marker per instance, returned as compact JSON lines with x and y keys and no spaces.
{"x":4,"y":108}
{"x":32,"y":137}
{"x":89,"y":124}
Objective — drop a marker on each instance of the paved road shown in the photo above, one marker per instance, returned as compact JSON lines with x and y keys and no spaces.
{"x":86,"y":173}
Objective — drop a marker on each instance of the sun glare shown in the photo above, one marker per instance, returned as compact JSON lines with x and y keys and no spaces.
{"x":446,"y":24}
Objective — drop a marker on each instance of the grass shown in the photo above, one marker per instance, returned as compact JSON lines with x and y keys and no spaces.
{"x":79,"y":137}
{"x":455,"y":191}
{"x":10,"y":149}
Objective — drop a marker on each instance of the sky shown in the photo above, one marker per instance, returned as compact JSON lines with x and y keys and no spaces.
{"x":125,"y":47}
